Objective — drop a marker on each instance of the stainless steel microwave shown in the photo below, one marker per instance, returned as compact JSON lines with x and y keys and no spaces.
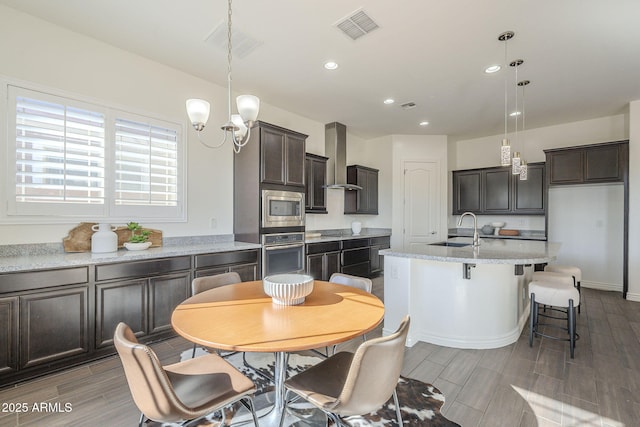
{"x":282,"y":209}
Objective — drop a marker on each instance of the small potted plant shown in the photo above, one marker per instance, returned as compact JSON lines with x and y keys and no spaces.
{"x":139,"y":239}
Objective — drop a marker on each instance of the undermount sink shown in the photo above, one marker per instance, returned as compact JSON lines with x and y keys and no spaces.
{"x":452,"y":244}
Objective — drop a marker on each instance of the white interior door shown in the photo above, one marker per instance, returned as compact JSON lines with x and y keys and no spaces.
{"x":421,"y":203}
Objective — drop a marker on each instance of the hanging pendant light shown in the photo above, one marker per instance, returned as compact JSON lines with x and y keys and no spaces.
{"x":238,"y":127}
{"x":515,"y":161}
{"x":505,"y":148}
{"x":524,"y":168}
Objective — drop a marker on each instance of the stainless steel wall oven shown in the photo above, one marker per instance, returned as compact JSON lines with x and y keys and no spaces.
{"x":282,"y":253}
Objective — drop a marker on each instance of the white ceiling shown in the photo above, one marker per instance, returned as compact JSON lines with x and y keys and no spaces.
{"x":582,"y":56}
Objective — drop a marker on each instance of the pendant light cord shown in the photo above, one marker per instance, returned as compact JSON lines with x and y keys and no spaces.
{"x":505,"y":91}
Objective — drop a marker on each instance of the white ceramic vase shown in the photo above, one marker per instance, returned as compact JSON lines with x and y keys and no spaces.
{"x":356,"y":228}
{"x":104,"y":239}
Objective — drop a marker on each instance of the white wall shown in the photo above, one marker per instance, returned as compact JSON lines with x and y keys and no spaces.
{"x":591,"y":233}
{"x":417,"y":148}
{"x":55,"y":58}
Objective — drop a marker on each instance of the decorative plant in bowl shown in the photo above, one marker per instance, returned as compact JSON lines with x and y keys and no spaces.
{"x":139,"y":239}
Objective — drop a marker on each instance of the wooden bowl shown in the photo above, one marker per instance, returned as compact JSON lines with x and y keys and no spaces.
{"x":505,"y":232}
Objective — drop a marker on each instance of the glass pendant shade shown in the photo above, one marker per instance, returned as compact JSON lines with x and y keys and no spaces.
{"x":198,"y":111}
{"x":524,"y":170}
{"x":237,"y":120}
{"x":248,"y":107}
{"x":515,"y":163}
{"x":505,"y":153}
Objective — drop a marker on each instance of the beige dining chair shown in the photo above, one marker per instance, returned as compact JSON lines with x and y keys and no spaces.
{"x":357,"y":383}
{"x":362,"y":283}
{"x":201,"y":284}
{"x":181,"y":392}
{"x":355,"y":281}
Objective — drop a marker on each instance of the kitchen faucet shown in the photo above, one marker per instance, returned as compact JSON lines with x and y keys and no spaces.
{"x":476,"y":240}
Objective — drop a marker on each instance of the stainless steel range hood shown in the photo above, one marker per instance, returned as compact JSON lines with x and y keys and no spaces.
{"x":335,"y":147}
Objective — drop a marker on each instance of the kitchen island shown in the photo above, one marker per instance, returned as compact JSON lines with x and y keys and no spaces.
{"x":462,"y":296}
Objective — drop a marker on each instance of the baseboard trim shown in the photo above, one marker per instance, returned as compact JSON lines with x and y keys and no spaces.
{"x":601,"y":286}
{"x":633,"y":297}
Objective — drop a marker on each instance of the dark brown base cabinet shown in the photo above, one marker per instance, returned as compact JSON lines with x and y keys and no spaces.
{"x":323,"y":259}
{"x":377,"y":260}
{"x":54,"y":319}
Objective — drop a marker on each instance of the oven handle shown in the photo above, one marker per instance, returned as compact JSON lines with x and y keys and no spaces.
{"x":273,"y":248}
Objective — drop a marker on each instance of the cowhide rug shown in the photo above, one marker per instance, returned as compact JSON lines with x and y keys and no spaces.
{"x":420,"y":403}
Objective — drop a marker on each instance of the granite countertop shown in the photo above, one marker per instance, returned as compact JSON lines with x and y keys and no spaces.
{"x":490,"y":251}
{"x":25,"y":262}
{"x":345,"y":234}
{"x":524,"y":234}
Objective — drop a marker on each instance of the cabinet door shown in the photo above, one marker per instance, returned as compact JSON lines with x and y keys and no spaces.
{"x":496,"y":190}
{"x":53,"y":325}
{"x":374,"y":257}
{"x":372,"y":192}
{"x":528,"y":196}
{"x":308,"y":184}
{"x":466,"y":196}
{"x":272,"y":156}
{"x":165,"y":293}
{"x":247,"y":272}
{"x":120,"y":302}
{"x":294,"y":161}
{"x":331,"y":264}
{"x":315,"y":266}
{"x":602,"y":164}
{"x":318,"y":181}
{"x":8,"y":334}
{"x":565,"y":167}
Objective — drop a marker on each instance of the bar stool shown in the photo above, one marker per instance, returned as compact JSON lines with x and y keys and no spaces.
{"x":570,"y":270}
{"x":551,"y":276}
{"x":558,"y":296}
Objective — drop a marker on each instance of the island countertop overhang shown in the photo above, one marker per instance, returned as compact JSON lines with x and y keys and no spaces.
{"x":490,"y":251}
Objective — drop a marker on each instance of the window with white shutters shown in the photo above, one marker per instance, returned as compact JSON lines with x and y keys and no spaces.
{"x":76,"y":159}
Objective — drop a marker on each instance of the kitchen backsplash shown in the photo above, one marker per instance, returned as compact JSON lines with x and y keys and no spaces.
{"x":513,"y":222}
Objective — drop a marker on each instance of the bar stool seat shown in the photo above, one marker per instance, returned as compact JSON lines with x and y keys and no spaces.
{"x":570,"y":270}
{"x":558,"y":296}
{"x":552,"y":276}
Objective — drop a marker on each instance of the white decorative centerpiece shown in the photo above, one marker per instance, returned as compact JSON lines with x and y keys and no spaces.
{"x":288,"y":289}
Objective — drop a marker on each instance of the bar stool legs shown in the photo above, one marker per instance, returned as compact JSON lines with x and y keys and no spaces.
{"x":558,"y":297}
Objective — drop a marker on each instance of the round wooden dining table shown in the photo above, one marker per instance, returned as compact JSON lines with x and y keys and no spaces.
{"x":241,"y":317}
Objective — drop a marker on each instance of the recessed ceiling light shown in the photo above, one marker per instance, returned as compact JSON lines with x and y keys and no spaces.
{"x":515,"y":113}
{"x":330,"y":65}
{"x":424,"y":123}
{"x":389,"y":101}
{"x":492,"y":69}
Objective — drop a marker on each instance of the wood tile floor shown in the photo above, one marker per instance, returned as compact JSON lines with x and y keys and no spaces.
{"x":511,"y":386}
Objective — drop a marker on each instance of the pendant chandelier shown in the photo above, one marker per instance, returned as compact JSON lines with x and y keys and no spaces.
{"x":505,"y":149}
{"x":238,"y":127}
{"x":524,"y":168}
{"x":516,"y":160}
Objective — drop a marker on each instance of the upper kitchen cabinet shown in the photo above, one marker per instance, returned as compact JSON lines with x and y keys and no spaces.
{"x":282,"y":155}
{"x":588,"y":163}
{"x":363,"y":201}
{"x":466,"y":191}
{"x":496,"y":191}
{"x":315,"y":170}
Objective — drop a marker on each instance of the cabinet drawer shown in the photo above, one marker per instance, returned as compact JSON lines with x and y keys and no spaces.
{"x":226,"y":258}
{"x":318,"y":248}
{"x":142,"y":268}
{"x":14,"y":282}
{"x":355,"y":256}
{"x":361,"y":270}
{"x":355,"y":243}
{"x":383,"y":242}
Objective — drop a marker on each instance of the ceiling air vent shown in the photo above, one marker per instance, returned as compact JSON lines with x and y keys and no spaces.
{"x":357,"y":24}
{"x":242,"y":44}
{"x":408,"y":105}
